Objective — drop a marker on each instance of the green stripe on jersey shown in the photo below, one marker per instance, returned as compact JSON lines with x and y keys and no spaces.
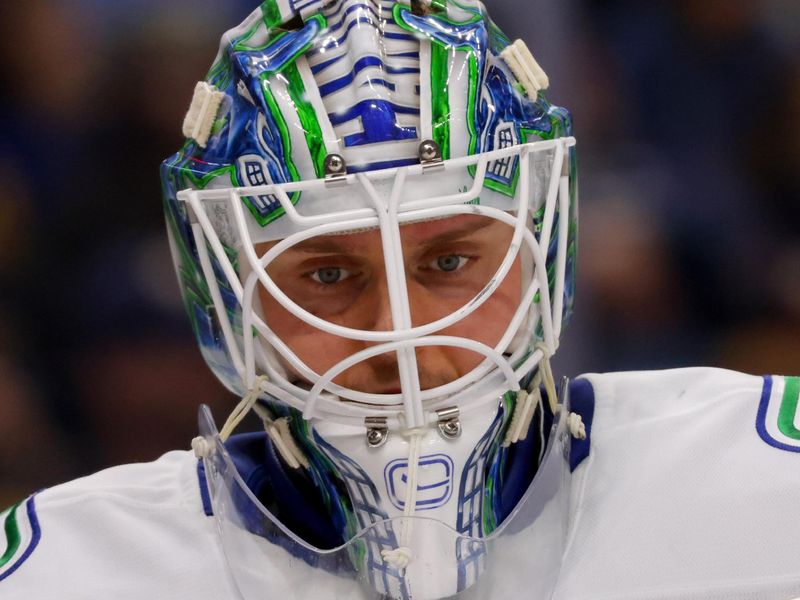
{"x":12,"y":534}
{"x":788,"y":409}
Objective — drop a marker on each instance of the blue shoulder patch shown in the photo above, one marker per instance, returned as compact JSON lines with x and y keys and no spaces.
{"x":21,"y":533}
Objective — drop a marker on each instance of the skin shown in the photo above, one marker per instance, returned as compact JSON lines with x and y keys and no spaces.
{"x":342,"y":279}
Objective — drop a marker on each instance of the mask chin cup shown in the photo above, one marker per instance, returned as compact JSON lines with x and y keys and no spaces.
{"x":267,"y":560}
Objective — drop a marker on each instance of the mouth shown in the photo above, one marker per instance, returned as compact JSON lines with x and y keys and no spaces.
{"x":394,"y":390}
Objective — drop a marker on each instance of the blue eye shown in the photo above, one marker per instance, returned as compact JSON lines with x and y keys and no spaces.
{"x":330,"y":275}
{"x":449,"y":263}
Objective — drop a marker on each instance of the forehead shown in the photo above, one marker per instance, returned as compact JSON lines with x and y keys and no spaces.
{"x":418,"y":234}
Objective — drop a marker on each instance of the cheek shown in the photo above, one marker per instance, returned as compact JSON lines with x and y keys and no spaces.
{"x":317,"y":349}
{"x":489,"y":322}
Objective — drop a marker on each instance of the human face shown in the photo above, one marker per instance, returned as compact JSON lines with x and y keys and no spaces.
{"x":342,"y":279}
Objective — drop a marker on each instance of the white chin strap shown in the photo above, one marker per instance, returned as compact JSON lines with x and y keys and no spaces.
{"x":528,"y":399}
{"x":276,"y":429}
{"x":401,"y":556}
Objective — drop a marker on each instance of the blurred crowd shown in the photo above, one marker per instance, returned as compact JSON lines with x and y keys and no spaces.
{"x":688,"y":121}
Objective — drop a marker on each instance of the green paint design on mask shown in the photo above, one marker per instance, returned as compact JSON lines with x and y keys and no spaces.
{"x":440,"y":98}
{"x":308,"y":118}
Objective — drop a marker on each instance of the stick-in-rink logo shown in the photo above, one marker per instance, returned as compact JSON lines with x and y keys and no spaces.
{"x":434,"y":481}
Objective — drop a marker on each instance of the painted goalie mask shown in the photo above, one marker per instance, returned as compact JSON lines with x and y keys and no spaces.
{"x":373,"y":223}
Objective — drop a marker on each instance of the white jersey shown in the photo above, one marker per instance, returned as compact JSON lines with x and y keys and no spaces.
{"x":129,"y":532}
{"x":690,"y":489}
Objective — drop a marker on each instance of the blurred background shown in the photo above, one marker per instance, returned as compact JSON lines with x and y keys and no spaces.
{"x":687,"y":114}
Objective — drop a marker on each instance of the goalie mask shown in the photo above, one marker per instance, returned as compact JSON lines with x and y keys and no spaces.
{"x":373,"y":224}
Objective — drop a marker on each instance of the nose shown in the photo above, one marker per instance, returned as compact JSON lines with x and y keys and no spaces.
{"x":434,"y":363}
{"x":377,"y":310}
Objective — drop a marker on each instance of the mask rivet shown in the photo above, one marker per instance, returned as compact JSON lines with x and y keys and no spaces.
{"x":334,"y":163}
{"x":429,"y":153}
{"x":448,"y":422}
{"x":377,"y":431}
{"x":335,"y":169}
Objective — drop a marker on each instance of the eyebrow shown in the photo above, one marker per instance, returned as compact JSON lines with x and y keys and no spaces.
{"x":469,"y":227}
{"x":337,"y":243}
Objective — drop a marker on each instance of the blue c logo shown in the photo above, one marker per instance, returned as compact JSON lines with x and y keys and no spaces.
{"x":434,"y":481}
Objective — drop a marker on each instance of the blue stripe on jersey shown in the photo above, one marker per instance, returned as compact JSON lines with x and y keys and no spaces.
{"x":203,"y":483}
{"x":36,"y":534}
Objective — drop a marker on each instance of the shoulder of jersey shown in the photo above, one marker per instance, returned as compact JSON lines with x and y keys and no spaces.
{"x":768,"y":405}
{"x":690,"y":489}
{"x":115,"y":524}
{"x":778,"y":421}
